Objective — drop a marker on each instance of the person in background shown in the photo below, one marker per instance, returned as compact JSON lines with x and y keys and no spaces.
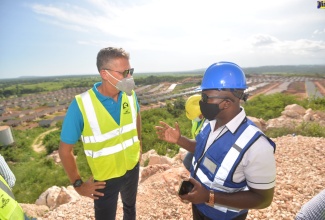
{"x":107,"y":118}
{"x":233,"y":168}
{"x":194,"y":114}
{"x":6,"y":172}
{"x":9,"y":207}
{"x":314,"y":209}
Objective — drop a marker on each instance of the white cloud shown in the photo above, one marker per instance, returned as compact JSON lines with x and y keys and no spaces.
{"x":196,"y":31}
{"x":262,"y":40}
{"x":319,"y":32}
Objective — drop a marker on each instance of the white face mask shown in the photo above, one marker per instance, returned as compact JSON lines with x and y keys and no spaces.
{"x":197,"y":119}
{"x":125,"y":85}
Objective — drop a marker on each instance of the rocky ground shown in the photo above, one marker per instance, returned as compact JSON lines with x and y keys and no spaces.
{"x":300,"y":176}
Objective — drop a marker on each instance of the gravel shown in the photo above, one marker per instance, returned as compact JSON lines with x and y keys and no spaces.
{"x":300,"y":176}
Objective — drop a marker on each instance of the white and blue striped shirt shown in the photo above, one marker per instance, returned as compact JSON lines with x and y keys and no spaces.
{"x":6,"y":172}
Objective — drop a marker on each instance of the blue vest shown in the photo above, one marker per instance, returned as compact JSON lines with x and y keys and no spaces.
{"x":216,"y":168}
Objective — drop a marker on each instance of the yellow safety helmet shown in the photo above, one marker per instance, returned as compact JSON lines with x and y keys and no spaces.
{"x":192,"y":107}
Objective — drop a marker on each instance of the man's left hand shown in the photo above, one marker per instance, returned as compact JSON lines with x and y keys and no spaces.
{"x":199,"y":193}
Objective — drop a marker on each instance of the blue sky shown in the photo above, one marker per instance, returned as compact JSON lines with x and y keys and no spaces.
{"x":47,"y":38}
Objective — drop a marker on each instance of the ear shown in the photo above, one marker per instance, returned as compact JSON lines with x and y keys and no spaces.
{"x":103,"y":74}
{"x":227,"y":103}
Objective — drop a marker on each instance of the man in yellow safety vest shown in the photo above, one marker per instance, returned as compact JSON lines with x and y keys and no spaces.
{"x":107,"y":118}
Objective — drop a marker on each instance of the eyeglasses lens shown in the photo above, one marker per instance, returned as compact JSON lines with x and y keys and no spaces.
{"x":204,"y":97}
{"x":127,"y":72}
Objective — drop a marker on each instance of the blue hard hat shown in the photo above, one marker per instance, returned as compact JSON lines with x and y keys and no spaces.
{"x":224,"y":75}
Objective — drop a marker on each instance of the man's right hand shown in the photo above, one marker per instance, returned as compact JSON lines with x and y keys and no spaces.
{"x":168,"y":133}
{"x":89,"y":188}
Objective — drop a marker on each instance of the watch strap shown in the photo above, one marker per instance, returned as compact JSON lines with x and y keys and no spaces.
{"x":211,"y":198}
{"x":77,"y":183}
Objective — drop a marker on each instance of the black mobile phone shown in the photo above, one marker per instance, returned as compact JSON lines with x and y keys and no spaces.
{"x":185,"y":187}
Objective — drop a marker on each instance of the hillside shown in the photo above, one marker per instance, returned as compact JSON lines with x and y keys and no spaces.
{"x":300,"y":170}
{"x":276,"y":69}
{"x":292,"y":69}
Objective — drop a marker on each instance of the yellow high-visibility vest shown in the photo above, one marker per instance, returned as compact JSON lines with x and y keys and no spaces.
{"x":9,"y":207}
{"x":195,"y":128}
{"x":111,"y":149}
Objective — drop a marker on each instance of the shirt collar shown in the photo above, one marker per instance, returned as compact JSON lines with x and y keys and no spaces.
{"x":236,"y":121}
{"x":102,"y":97}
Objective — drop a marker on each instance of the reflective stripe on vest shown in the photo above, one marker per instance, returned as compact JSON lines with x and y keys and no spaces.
{"x":9,"y":207}
{"x":233,"y":153}
{"x":5,"y":187}
{"x":108,"y":135}
{"x":113,"y":149}
{"x":106,"y":143}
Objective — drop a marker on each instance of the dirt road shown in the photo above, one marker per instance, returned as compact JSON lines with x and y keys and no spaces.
{"x":320,"y":87}
{"x":264,"y":90}
{"x":37,"y":144}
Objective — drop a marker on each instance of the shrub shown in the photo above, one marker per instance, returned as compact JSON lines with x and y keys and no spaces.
{"x":51,"y":141}
{"x":151,"y":118}
{"x":314,"y":104}
{"x":311,"y":129}
{"x":268,"y":106}
{"x":308,"y":129}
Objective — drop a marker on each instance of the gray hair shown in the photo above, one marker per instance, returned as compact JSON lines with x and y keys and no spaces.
{"x":107,"y":54}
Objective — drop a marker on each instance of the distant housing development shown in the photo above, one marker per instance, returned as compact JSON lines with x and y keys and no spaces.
{"x":46,"y":109}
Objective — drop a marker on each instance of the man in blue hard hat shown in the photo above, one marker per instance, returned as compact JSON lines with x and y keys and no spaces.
{"x":234,"y":167}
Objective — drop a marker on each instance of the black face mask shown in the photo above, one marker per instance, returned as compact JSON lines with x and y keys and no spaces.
{"x":210,"y":110}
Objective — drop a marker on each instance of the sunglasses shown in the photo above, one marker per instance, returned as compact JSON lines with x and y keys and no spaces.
{"x":125,"y":73}
{"x":205,"y":97}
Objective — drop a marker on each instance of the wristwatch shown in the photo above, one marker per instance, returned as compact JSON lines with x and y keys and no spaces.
{"x":77,"y":183}
{"x":211,"y":199}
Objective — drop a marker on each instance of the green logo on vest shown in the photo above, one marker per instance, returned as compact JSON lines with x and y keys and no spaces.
{"x":4,"y":202}
{"x":126,"y":109}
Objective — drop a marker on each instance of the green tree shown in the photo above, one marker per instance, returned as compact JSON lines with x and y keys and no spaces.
{"x":176,"y":108}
